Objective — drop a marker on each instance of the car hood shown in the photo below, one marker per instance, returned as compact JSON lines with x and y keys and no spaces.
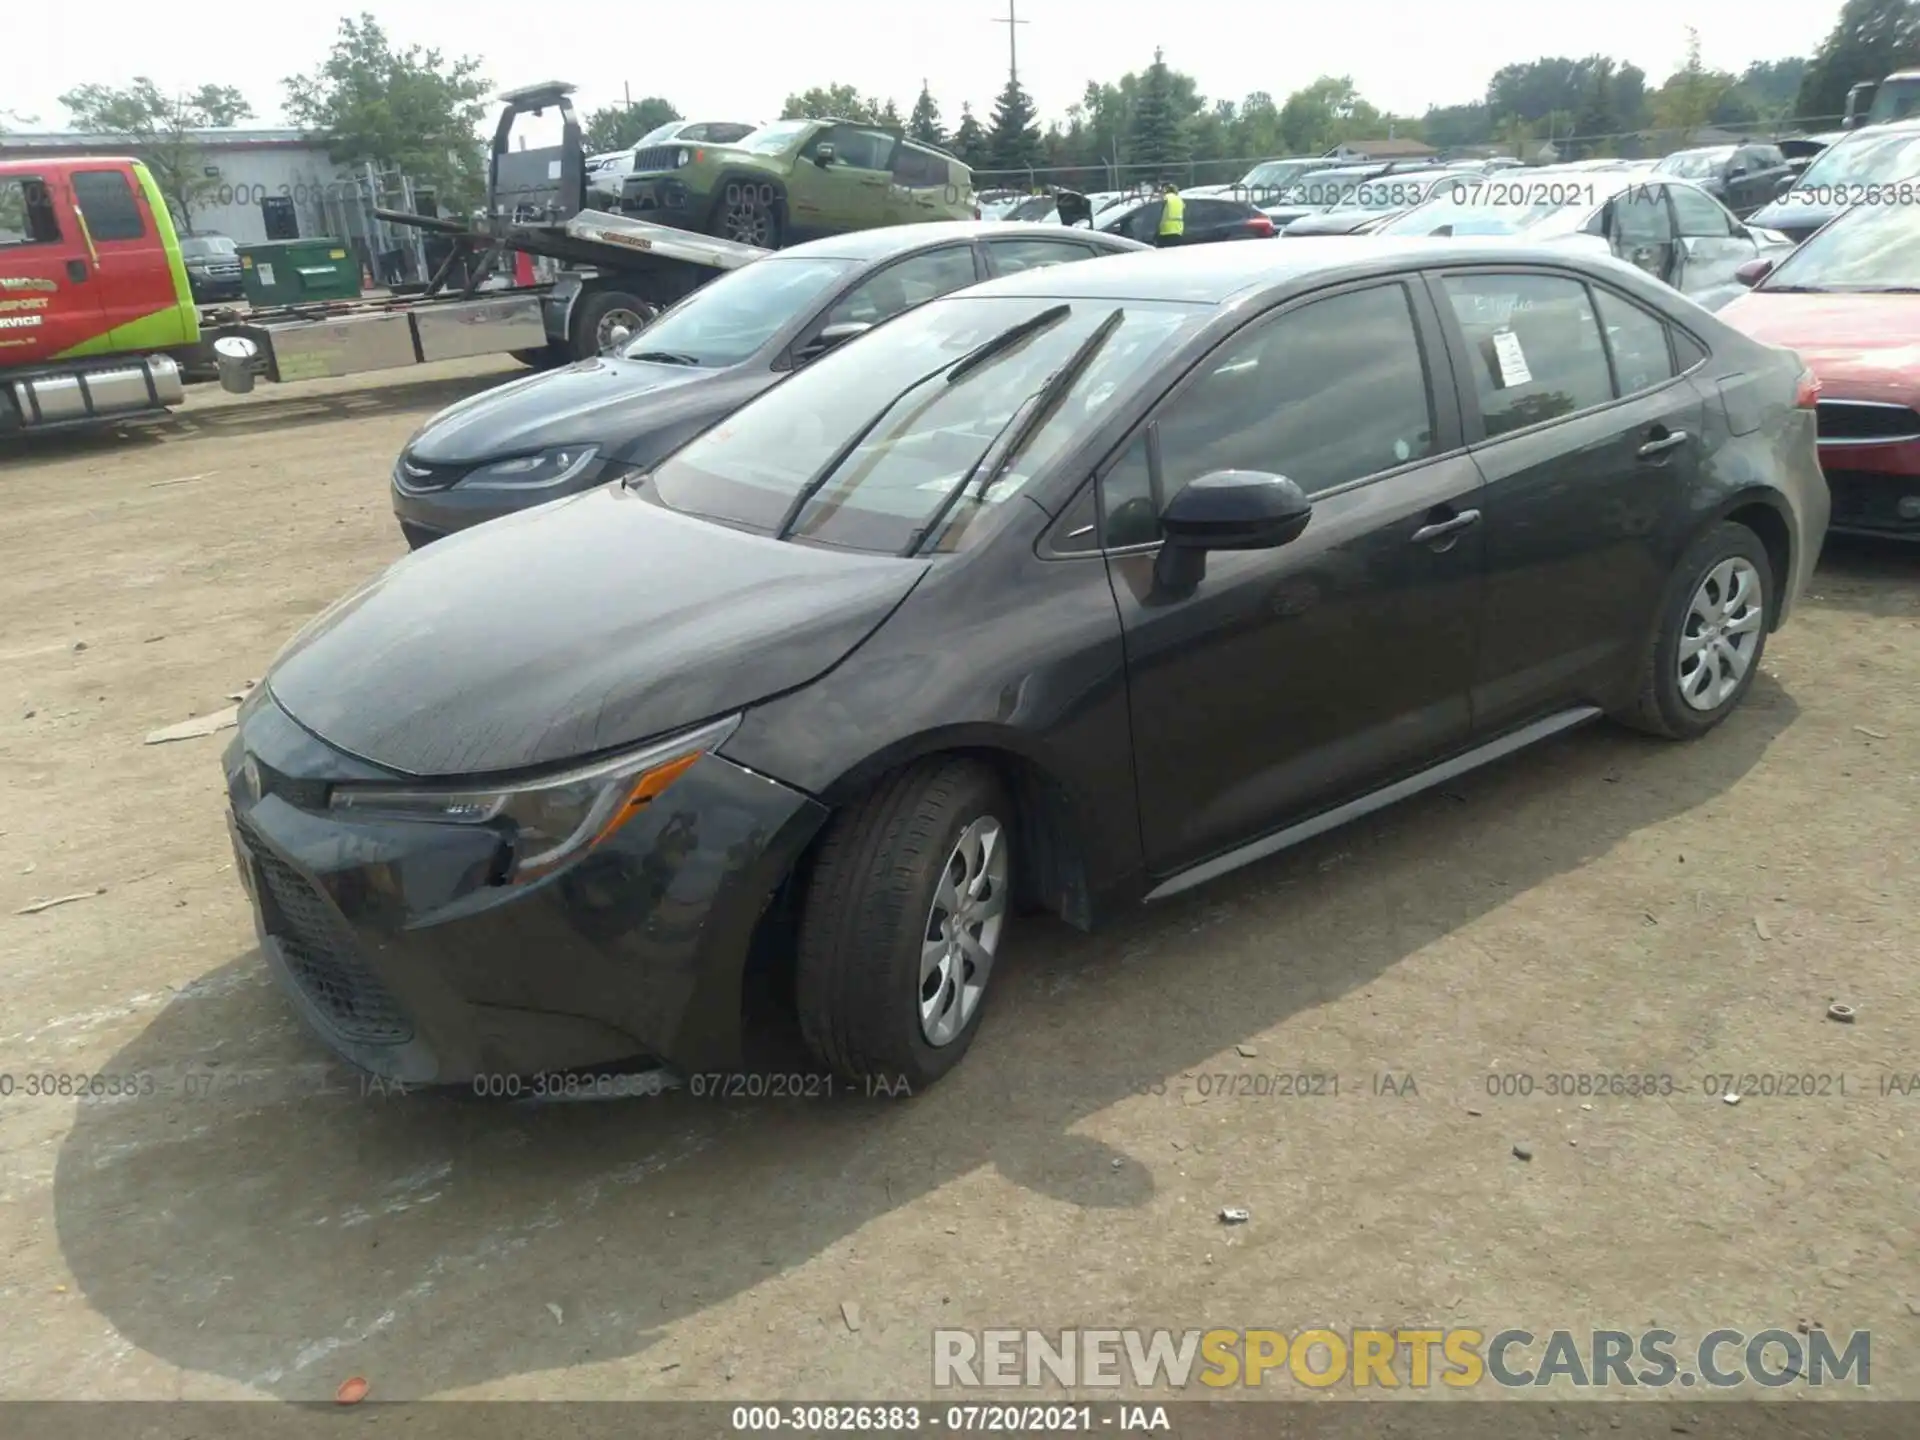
{"x":605,"y":401}
{"x":571,"y":629}
{"x":1793,"y":218}
{"x":1862,"y":347}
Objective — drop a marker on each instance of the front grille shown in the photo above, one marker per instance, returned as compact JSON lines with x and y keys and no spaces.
{"x":323,"y":955}
{"x":415,"y":474}
{"x":1865,"y":423}
{"x":1870,"y":500}
{"x":655,"y":157}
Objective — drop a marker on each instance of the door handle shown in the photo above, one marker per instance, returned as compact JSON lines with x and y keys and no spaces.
{"x":1443,"y":529}
{"x":76,"y":270}
{"x":1672,"y":440}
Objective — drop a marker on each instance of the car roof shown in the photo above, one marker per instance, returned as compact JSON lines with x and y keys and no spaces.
{"x":1215,"y":274}
{"x":891,"y":240}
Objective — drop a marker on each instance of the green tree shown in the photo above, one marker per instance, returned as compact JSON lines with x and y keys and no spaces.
{"x":1772,"y":87}
{"x":1319,"y":116}
{"x":1155,"y":142}
{"x":831,"y":102}
{"x":1014,"y":139}
{"x":159,"y":129}
{"x":618,"y":127}
{"x":1691,"y":95}
{"x":1597,"y":124}
{"x":889,"y":116}
{"x":1450,"y":126}
{"x":1870,"y":40}
{"x":970,"y":141}
{"x":924,"y":124}
{"x":413,"y":110}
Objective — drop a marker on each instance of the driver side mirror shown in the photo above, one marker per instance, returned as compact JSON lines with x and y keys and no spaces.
{"x":1225,"y":510}
{"x":832,"y":337}
{"x":823,"y":156}
{"x":1753,"y":272}
{"x":1236,"y":510}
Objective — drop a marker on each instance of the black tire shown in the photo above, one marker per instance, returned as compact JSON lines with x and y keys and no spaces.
{"x":866,"y":914}
{"x":593,"y":312}
{"x":1660,"y":708}
{"x":546,"y":357}
{"x":749,"y":212}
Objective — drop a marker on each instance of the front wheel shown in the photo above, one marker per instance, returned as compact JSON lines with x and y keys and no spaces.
{"x":1711,"y":633}
{"x":748,"y":214}
{"x":904,"y":917}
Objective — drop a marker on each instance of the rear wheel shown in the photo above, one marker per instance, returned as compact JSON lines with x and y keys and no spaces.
{"x":602,"y":316}
{"x":543,"y":358}
{"x":1711,"y":633}
{"x":903,"y":921}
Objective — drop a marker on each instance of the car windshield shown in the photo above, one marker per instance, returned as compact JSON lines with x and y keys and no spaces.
{"x":1866,"y":160}
{"x":1271,"y":174}
{"x":200,"y":247}
{"x":724,"y":322}
{"x":750,"y":469}
{"x":660,"y":134}
{"x":1695,"y":164}
{"x":771,"y":139}
{"x":1871,"y":247}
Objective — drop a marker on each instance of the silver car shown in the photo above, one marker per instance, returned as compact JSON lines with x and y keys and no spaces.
{"x":1668,"y":227}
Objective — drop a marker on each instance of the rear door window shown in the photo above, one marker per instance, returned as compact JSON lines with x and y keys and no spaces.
{"x":26,"y":212}
{"x":106,"y":200}
{"x":1012,"y":256}
{"x":1533,"y":345}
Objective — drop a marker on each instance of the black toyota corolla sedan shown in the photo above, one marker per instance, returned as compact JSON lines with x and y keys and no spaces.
{"x":1079,"y":588}
{"x":552,"y":435}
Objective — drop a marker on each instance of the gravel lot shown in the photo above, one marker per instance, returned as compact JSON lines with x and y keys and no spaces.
{"x":258,"y":1226}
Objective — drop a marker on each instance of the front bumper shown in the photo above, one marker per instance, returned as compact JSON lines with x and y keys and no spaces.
{"x":404,"y":958}
{"x":216,"y":287}
{"x":665,"y":200}
{"x":429,"y":515}
{"x":1871,"y":485}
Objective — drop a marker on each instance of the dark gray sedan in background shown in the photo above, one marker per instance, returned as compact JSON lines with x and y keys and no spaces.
{"x":557,"y":434}
{"x":1077,"y":588}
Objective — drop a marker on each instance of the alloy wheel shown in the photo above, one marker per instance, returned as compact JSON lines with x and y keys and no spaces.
{"x":963,"y":931}
{"x":748,"y":223}
{"x":1721,"y":633}
{"x":618,"y":326}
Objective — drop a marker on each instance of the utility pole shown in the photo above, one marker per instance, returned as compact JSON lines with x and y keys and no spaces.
{"x":1012,"y":21}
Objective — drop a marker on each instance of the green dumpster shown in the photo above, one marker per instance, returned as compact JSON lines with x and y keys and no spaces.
{"x":290,"y":272}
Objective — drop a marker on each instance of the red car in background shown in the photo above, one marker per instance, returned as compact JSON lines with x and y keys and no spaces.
{"x":1848,"y":301}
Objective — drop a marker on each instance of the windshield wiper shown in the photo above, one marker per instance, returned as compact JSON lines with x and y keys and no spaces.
{"x":666,"y":357}
{"x":1796,"y":289}
{"x":954,"y":371}
{"x":1026,"y":422}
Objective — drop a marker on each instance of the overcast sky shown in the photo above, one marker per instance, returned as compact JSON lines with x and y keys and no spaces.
{"x":1403,"y":55}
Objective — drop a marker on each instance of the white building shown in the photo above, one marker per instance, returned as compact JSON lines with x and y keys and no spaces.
{"x":249,"y":168}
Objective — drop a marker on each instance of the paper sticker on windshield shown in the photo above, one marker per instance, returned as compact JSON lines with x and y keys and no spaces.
{"x":1513,"y":360}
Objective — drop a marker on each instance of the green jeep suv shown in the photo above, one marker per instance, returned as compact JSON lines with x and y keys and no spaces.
{"x":797,"y":180}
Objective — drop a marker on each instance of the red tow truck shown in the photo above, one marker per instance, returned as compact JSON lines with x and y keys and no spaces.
{"x":97,"y":322}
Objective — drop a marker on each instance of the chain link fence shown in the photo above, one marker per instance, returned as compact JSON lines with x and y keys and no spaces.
{"x":1530,"y":145}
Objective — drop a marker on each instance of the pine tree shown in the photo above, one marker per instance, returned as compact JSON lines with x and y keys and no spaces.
{"x":1153,"y":134}
{"x":887,"y":116}
{"x":1015,"y":142}
{"x":970,"y":141}
{"x":924,"y":124}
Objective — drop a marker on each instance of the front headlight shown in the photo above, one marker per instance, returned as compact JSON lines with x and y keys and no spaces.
{"x":525,"y":472}
{"x":552,"y":820}
{"x":681,"y":157}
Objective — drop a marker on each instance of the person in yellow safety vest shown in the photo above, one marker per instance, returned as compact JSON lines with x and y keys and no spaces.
{"x":1173,"y":217}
